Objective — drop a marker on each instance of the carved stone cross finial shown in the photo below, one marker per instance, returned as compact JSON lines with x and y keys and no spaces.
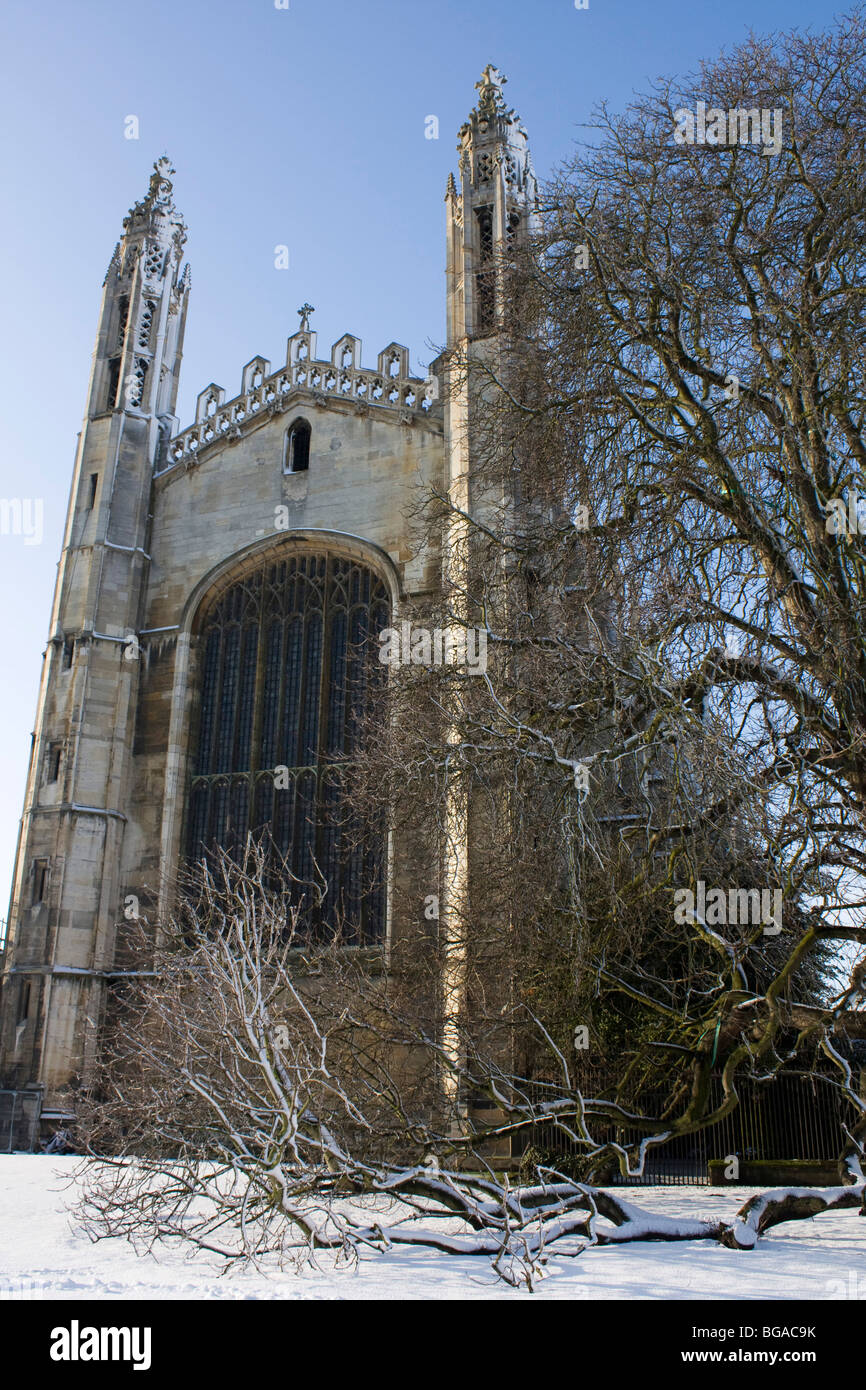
{"x":491,"y":77}
{"x":305,"y":311}
{"x":490,"y":90}
{"x":160,"y":181}
{"x":158,"y":197}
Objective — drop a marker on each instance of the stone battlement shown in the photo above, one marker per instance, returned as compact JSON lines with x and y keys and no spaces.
{"x":339,"y":378}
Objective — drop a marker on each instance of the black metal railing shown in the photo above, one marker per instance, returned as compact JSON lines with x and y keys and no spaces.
{"x":789,"y":1117}
{"x":19,"y":1120}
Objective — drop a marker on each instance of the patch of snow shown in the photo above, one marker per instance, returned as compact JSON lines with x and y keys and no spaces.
{"x":42,"y":1255}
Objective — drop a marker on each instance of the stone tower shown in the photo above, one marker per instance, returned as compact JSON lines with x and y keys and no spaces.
{"x":75,"y":812}
{"x":495,"y":205}
{"x":494,"y":208}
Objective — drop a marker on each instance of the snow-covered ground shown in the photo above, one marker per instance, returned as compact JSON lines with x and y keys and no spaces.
{"x":42,"y":1256}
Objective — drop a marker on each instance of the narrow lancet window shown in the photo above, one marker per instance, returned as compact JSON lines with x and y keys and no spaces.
{"x":298,"y":447}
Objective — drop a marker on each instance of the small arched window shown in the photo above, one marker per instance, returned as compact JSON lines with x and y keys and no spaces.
{"x":298,"y":447}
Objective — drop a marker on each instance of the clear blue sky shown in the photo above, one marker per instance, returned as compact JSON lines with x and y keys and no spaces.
{"x":301,"y":126}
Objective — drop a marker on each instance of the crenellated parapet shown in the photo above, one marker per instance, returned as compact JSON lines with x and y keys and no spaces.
{"x":389,"y":387}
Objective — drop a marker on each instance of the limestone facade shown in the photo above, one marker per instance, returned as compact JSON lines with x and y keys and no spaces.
{"x":159,"y":518}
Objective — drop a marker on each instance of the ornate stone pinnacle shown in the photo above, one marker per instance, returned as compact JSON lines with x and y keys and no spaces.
{"x":490,"y":99}
{"x":305,"y":311}
{"x":158,"y":197}
{"x":160,"y":190}
{"x":114,"y":263}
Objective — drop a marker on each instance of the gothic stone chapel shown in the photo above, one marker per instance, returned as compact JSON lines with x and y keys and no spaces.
{"x":195,"y":640}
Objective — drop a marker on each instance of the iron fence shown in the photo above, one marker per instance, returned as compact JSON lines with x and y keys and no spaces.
{"x":789,"y":1117}
{"x":19,"y":1120}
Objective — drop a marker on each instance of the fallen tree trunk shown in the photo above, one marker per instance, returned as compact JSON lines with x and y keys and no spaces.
{"x":788,"y":1204}
{"x":272,"y":1211}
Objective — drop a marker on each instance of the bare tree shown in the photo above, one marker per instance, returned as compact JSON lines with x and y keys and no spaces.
{"x":702,"y":383}
{"x":665,"y":434}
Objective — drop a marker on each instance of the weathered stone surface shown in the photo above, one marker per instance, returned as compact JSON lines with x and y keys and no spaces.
{"x":159,"y":518}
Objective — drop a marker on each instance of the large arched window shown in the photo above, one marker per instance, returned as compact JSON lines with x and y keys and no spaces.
{"x":288,"y":666}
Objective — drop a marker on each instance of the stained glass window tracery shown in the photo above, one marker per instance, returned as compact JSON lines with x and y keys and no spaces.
{"x":288,"y":667}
